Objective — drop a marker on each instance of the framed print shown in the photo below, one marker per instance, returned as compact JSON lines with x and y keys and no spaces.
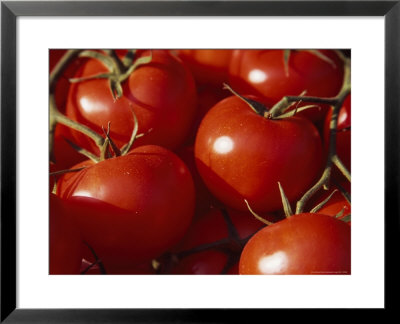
{"x":363,"y":34}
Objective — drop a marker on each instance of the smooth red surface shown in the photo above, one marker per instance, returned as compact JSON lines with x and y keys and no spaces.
{"x":301,"y":244}
{"x":337,"y":205}
{"x":263,"y":73}
{"x":132,"y":208}
{"x":161,"y":93}
{"x":209,"y":66}
{"x":242,"y":155}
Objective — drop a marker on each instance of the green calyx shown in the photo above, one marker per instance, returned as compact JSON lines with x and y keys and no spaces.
{"x":118,"y":69}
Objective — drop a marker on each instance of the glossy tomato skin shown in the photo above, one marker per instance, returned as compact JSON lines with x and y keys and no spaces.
{"x":161,"y":93}
{"x":209,"y":66}
{"x":241,"y":155}
{"x":338,"y":207}
{"x":131,"y":208}
{"x":263,"y":73}
{"x":65,"y":241}
{"x":301,"y":244}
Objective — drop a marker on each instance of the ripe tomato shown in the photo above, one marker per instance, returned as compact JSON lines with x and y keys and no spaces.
{"x":207,"y":97}
{"x":209,"y":262}
{"x":161,"y":93}
{"x":54,"y":57}
{"x":91,"y":266}
{"x":131,"y":208}
{"x":209,"y":66}
{"x":214,"y":242}
{"x":88,"y":268}
{"x":263,"y":73}
{"x":337,"y":205}
{"x":52,"y":179}
{"x":65,"y":156}
{"x":204,"y":198}
{"x":65,"y":243}
{"x":62,"y":85}
{"x":300,"y":244}
{"x":343,"y":134}
{"x":242,"y":155}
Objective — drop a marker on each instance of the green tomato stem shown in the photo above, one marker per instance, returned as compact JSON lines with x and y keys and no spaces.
{"x":55,"y":115}
{"x":257,"y":107}
{"x":261,"y":219}
{"x":336,"y":103}
{"x":285,"y":202}
{"x":339,"y":164}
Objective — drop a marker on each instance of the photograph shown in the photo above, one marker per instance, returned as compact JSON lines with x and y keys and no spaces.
{"x":195,"y":161}
{"x":200,"y":161}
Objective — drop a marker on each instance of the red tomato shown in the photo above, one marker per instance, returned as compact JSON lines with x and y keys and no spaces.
{"x":209,"y":262}
{"x":242,"y":155}
{"x":301,"y":244}
{"x":141,"y":269}
{"x":337,"y":205}
{"x":90,"y":267}
{"x":207,"y":97}
{"x":263,"y":73}
{"x":161,"y":93}
{"x":214,"y":242}
{"x":343,"y":134}
{"x":52,"y":178}
{"x":204,"y":198}
{"x":134,"y":207}
{"x":209,"y":66}
{"x":337,"y":202}
{"x":54,"y":57}
{"x":65,"y":156}
{"x":62,"y":86}
{"x":65,"y":244}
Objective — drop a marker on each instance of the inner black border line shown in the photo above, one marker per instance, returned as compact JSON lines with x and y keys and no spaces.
{"x":10,"y":10}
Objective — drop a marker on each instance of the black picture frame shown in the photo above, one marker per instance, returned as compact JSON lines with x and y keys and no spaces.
{"x":10,"y":10}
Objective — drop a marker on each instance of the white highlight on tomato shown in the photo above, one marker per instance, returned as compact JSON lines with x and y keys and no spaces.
{"x":82,"y":193}
{"x":342,"y":116}
{"x":273,"y":264}
{"x":88,"y":106}
{"x":257,"y":76}
{"x":223,"y":145}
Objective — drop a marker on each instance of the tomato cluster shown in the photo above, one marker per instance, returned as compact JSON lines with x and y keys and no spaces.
{"x":199,"y":161}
